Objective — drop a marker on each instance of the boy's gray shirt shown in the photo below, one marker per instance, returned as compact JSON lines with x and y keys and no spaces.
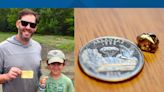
{"x":15,"y":54}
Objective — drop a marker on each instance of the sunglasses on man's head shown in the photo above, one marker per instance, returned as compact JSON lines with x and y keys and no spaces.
{"x":25,"y":23}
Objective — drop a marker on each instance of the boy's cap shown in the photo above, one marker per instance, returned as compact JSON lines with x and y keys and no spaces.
{"x":55,"y":56}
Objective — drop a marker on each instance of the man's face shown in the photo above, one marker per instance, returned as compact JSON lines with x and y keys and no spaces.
{"x":26,"y":26}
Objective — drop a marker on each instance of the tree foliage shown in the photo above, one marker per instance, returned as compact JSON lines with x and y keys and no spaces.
{"x":52,"y":21}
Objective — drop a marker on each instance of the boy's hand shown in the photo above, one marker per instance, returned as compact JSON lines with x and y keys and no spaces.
{"x":43,"y":81}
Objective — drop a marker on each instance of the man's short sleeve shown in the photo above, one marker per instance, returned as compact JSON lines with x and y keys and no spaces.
{"x":1,"y":61}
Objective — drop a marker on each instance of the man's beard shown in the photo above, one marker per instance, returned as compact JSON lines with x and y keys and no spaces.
{"x":21,"y":30}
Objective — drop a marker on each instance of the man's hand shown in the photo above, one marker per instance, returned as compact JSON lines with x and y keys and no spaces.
{"x":13,"y":73}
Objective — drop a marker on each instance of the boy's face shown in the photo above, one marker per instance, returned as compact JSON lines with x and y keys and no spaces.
{"x":56,"y":68}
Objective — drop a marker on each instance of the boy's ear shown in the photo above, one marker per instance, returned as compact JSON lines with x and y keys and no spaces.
{"x":47,"y":61}
{"x":64,"y":62}
{"x":47,"y":64}
{"x":48,"y":67}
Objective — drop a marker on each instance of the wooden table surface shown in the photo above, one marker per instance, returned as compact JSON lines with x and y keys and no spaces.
{"x":126,"y":23}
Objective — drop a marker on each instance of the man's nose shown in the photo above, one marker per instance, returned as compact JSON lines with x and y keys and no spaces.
{"x":28,"y":26}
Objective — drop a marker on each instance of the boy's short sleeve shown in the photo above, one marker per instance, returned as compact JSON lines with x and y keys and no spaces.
{"x":70,"y":86}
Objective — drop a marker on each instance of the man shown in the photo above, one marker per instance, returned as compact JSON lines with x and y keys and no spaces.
{"x":20,"y":56}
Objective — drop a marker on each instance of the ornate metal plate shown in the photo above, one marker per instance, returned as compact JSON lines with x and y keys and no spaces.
{"x":111,"y":59}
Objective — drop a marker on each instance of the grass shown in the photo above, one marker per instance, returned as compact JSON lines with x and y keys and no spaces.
{"x":65,"y":43}
{"x":4,"y":36}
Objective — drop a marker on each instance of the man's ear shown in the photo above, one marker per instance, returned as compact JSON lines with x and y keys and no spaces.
{"x":36,"y":28}
{"x":17,"y":23}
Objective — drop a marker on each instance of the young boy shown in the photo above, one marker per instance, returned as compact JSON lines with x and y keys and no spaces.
{"x":56,"y":81}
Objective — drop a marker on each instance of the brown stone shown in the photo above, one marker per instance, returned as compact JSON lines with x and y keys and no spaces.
{"x":148,"y":42}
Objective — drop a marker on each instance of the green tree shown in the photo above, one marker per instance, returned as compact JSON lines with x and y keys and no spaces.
{"x":52,"y":21}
